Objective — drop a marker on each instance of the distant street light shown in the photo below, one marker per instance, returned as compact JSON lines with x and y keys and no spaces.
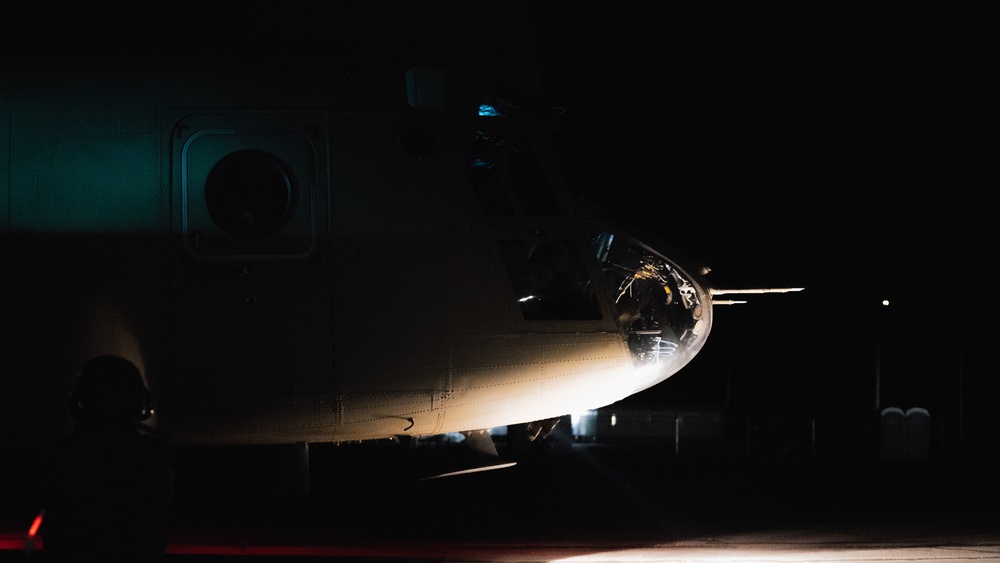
{"x":878,"y":357}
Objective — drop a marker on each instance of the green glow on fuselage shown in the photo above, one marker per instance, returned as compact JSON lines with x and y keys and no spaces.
{"x":96,"y":185}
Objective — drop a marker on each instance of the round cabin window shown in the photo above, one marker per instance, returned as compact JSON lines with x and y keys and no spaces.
{"x":250,"y":193}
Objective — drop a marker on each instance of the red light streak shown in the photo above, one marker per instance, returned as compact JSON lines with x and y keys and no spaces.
{"x":35,"y":524}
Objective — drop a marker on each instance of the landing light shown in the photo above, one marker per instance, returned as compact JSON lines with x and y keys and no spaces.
{"x":584,"y":424}
{"x":755,"y":290}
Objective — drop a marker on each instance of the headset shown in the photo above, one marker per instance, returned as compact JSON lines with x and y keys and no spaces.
{"x":110,"y":388}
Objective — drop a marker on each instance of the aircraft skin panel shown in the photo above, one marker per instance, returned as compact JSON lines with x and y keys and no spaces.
{"x":589,"y":370}
{"x":241,"y":76}
{"x":390,"y":414}
{"x":71,"y":165}
{"x":210,"y":418}
{"x":481,"y":397}
{"x":488,"y":361}
{"x":359,"y":408}
{"x":378,"y":347}
{"x":236,"y":336}
{"x":4,"y":165}
{"x":391,"y":262}
{"x":475,"y":280}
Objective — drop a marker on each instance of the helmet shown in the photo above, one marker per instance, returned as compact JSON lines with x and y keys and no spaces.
{"x":110,"y":389}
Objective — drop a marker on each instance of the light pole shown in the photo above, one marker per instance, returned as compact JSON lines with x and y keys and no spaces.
{"x":878,"y":356}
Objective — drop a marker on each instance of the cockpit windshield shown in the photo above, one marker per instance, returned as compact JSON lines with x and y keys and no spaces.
{"x":655,"y":303}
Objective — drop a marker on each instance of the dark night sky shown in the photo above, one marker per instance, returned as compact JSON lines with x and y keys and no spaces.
{"x":841,"y":151}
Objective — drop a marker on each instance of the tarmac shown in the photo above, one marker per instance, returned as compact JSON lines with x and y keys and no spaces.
{"x":585,"y":503}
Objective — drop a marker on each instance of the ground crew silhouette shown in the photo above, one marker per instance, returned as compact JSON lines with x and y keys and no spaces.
{"x":106,"y":489}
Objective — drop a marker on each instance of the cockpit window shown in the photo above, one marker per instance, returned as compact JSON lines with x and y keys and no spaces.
{"x":530,"y":184}
{"x":549,"y":280}
{"x":485,"y":175}
{"x":506,"y":177}
{"x":655,"y":304}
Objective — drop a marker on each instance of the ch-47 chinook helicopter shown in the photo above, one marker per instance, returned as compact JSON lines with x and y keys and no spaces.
{"x":314,"y":241}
